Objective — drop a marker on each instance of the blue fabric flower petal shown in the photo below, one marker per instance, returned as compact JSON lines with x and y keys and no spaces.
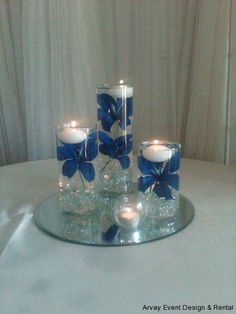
{"x":92,"y":137}
{"x":120,"y":106}
{"x":144,"y":166}
{"x":63,"y":153}
{"x":107,"y":122}
{"x":149,"y":167}
{"x":110,"y":234}
{"x":129,"y":145}
{"x":69,"y":167}
{"x":106,"y":150}
{"x":122,"y":123}
{"x":124,"y":161}
{"x":122,"y":114}
{"x":87,"y":169}
{"x":107,"y":118}
{"x":173,"y":164}
{"x":173,"y":181}
{"x":106,"y":101}
{"x":144,"y":182}
{"x":75,"y":150}
{"x":123,"y":145}
{"x":162,"y":189}
{"x":129,"y":103}
{"x":101,"y":114}
{"x":104,"y":138}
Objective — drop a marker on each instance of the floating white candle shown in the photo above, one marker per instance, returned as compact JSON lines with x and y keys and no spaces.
{"x":121,"y":90}
{"x":71,"y":134}
{"x":157,"y":153}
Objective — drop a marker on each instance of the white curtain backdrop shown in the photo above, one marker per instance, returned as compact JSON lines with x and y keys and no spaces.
{"x":179,"y":55}
{"x":13,"y":140}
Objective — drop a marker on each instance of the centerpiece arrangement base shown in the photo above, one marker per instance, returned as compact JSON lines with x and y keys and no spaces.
{"x":100,"y":229}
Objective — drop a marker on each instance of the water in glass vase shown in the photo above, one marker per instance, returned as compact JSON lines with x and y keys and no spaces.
{"x":115,"y":116}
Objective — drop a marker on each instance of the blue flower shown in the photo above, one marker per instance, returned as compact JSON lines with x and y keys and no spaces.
{"x":114,"y":110}
{"x":117,"y":149}
{"x":160,"y":176}
{"x":110,"y":234}
{"x":78,"y":157}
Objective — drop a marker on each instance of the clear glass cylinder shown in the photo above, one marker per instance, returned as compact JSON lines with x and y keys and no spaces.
{"x":115,"y":116}
{"x":159,"y":163}
{"x":77,"y":150}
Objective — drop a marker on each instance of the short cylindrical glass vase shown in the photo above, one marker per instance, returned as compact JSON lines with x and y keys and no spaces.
{"x":77,"y":150}
{"x":159,"y":163}
{"x":115,"y":116}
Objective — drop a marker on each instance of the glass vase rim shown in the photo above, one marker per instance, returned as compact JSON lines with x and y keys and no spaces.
{"x":77,"y":126}
{"x":158,"y":142}
{"x":112,"y":85}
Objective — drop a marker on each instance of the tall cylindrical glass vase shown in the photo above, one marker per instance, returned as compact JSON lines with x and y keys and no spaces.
{"x":115,"y":116}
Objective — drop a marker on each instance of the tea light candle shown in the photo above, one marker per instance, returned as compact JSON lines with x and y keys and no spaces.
{"x":130,"y":210}
{"x":129,"y":217}
{"x":71,"y":134}
{"x":157,"y":153}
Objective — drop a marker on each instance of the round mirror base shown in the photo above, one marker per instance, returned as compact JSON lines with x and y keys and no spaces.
{"x":100,"y":230}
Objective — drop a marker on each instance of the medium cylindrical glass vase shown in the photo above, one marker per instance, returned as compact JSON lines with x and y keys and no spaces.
{"x":76,"y":153}
{"x":115,"y":116}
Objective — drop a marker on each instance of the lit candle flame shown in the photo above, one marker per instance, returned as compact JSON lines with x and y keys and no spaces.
{"x":73,"y":124}
{"x":121,"y":82}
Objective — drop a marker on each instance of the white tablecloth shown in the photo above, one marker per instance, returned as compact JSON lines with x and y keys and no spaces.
{"x":40,"y":274}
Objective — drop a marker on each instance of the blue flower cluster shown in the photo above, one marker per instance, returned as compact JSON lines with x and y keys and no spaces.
{"x":160,"y":177}
{"x":78,"y":157}
{"x":114,"y":110}
{"x":118,"y":148}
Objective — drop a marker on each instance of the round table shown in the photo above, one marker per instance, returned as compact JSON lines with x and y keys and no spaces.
{"x":195,"y":267}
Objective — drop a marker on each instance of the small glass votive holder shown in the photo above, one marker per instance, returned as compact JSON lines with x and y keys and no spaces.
{"x":159,"y":163}
{"x":130,"y":210}
{"x":77,"y":150}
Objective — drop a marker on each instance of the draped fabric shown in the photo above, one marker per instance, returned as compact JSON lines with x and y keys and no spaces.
{"x":13,"y":138}
{"x":178,"y":55}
